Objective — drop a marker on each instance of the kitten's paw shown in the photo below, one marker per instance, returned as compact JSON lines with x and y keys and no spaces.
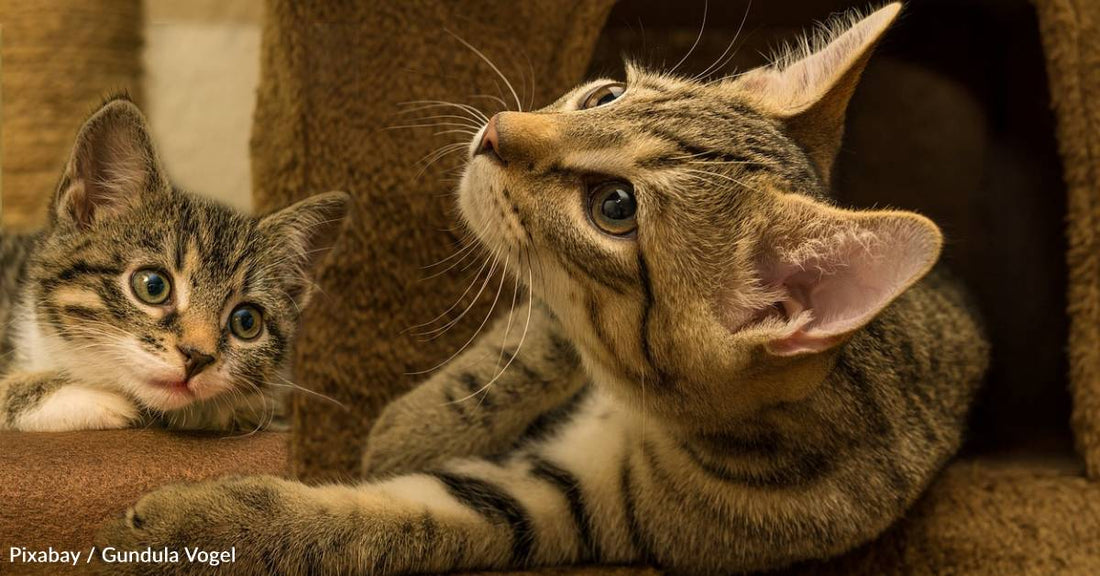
{"x":74,"y":407}
{"x":253,"y":519}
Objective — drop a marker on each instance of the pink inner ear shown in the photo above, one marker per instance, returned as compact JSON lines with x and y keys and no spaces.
{"x":846,"y":279}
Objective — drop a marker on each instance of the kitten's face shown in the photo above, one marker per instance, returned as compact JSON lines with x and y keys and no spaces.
{"x":178,"y":281}
{"x":681,"y":230}
{"x":172,"y":298}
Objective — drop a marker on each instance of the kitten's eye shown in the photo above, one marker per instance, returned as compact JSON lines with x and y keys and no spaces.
{"x":151,"y":286}
{"x":245,"y":322}
{"x":613,"y":208}
{"x":603,"y":95}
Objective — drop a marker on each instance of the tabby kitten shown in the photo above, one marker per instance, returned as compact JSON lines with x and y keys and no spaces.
{"x":721,"y":371}
{"x":141,"y":303}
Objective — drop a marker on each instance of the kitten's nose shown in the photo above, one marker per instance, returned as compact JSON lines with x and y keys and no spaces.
{"x":194,"y":360}
{"x":490,"y":139}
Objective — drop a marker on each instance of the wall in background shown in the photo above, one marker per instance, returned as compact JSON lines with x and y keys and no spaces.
{"x":202,"y":61}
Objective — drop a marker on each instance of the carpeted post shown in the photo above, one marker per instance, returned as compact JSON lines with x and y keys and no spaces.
{"x":61,"y":57}
{"x":1071,"y":40}
{"x":333,"y":78}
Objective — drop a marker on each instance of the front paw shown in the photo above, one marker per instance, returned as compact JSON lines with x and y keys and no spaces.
{"x":74,"y":407}
{"x":237,"y":525}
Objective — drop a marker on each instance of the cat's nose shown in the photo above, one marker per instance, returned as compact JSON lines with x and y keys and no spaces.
{"x":194,"y":360}
{"x":490,"y":139}
{"x":520,"y":137}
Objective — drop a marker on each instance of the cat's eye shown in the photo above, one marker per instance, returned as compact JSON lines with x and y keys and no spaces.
{"x":151,"y":286}
{"x":605,"y":94}
{"x":613,"y":208}
{"x":246,"y":322}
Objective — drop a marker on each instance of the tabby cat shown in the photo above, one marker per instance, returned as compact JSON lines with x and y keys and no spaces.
{"x":143,"y":304}
{"x":721,"y":371}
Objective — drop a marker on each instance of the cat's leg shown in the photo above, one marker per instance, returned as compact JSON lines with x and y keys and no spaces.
{"x":552,"y":503}
{"x":50,"y":402}
{"x":480,"y":403}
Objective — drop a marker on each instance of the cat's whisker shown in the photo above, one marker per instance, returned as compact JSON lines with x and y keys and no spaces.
{"x":534,"y":77}
{"x":470,"y":133}
{"x":432,"y":334}
{"x":691,"y":156}
{"x":443,"y":103}
{"x":729,"y":178}
{"x":439,"y":154}
{"x":723,"y":60}
{"x":464,"y":118}
{"x":508,"y":325}
{"x":695,"y":44}
{"x":433,"y":125}
{"x":522,"y":339}
{"x":497,"y":99}
{"x":464,"y":248}
{"x":726,"y":162}
{"x":519,"y":105}
{"x":457,"y":302}
{"x":476,"y":247}
{"x":309,"y":392}
{"x":488,"y":315}
{"x":437,"y":332}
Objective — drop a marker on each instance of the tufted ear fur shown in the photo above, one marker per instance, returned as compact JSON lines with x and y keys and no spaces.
{"x":809,"y":88}
{"x":112,"y":166}
{"x":834,"y":270}
{"x":308,"y":230}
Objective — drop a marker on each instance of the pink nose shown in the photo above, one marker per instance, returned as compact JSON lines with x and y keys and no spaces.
{"x":489,"y":140}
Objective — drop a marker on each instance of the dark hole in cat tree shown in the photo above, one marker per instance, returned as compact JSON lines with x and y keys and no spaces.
{"x":952,"y":119}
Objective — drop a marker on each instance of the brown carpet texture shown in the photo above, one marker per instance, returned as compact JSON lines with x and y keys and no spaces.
{"x":60,"y":58}
{"x":56,"y":488}
{"x":333,"y":77}
{"x":1071,"y":39}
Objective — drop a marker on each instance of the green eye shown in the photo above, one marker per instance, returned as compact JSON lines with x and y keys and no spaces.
{"x":613,"y":208}
{"x":151,"y":286}
{"x":246,"y":322}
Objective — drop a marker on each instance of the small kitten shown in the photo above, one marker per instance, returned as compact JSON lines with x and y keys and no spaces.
{"x":141,"y":303}
{"x":719,"y":371}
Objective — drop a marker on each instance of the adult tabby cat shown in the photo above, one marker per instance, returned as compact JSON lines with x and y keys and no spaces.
{"x":143,"y":303}
{"x":721,"y":372}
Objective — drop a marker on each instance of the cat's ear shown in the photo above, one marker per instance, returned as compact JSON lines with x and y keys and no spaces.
{"x":834,"y":270}
{"x":307,"y":231}
{"x":809,"y":89}
{"x":112,"y":166}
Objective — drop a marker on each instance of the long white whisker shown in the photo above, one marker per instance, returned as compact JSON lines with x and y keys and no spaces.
{"x":722,"y":60}
{"x":519,"y":105}
{"x":488,"y":315}
{"x":695,"y":44}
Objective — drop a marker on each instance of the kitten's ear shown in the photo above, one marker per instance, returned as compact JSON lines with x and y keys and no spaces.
{"x":836,"y":269}
{"x":809,"y":90}
{"x":112,"y":166}
{"x":308,"y":230}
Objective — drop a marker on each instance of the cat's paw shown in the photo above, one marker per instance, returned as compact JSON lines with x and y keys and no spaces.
{"x":248,"y":519}
{"x":74,"y":407}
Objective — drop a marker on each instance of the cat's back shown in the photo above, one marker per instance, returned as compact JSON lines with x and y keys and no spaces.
{"x":923,"y":360}
{"x":15,"y":253}
{"x":934,"y":329}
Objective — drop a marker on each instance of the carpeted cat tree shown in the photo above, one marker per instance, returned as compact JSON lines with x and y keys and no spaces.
{"x":959,"y":127}
{"x":60,"y":57}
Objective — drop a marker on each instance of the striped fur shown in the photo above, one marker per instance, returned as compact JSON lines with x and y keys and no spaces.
{"x":647,"y":416}
{"x":81,"y":351}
